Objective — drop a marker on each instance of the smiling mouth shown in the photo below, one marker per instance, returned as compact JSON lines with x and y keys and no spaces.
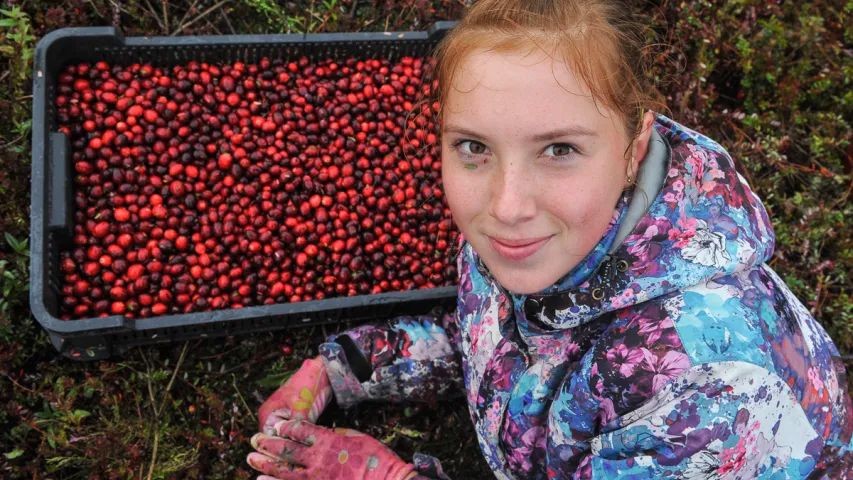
{"x":517,"y":249}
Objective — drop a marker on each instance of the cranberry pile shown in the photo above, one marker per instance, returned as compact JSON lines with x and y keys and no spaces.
{"x":206,"y":186}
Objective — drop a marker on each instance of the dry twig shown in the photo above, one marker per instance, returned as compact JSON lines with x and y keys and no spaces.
{"x":187,"y":14}
{"x":153,"y":13}
{"x":18,"y":384}
{"x":166,"y":13}
{"x":201,"y":16}
{"x":227,"y":22}
{"x":239,"y":394}
{"x":158,"y":411}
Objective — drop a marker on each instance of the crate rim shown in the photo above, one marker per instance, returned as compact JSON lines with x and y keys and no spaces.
{"x":54,"y":36}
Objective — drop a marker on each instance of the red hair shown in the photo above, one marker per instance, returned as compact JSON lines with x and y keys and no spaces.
{"x":598,"y":40}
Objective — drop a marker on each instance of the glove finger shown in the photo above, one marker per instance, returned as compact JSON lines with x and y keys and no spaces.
{"x":279,"y":448}
{"x":275,"y":417}
{"x":312,"y":365}
{"x":277,"y":400}
{"x":276,"y":468}
{"x":300,"y":431}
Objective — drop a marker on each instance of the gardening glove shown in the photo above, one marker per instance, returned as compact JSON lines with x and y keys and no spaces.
{"x":303,"y":396}
{"x":303,"y":451}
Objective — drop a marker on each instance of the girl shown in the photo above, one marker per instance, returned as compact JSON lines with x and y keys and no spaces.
{"x":616,"y":317}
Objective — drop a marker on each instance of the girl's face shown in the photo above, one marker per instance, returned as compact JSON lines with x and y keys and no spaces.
{"x":532,"y":168}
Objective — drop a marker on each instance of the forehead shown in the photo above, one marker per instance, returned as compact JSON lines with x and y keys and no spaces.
{"x":514,"y":70}
{"x":528,"y":90}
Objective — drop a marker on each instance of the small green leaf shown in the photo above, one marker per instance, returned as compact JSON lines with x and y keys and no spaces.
{"x":14,"y":453}
{"x":8,"y":22}
{"x":798,"y":198}
{"x":275,"y":380}
{"x":11,"y":240}
{"x":81,"y":413}
{"x":409,"y":432}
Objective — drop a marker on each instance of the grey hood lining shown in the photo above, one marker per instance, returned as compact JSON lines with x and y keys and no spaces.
{"x":650,"y":179}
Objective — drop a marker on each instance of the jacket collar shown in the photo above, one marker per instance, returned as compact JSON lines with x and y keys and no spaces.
{"x":700,"y":178}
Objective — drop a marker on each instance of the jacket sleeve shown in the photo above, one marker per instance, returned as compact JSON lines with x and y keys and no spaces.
{"x":404,"y":359}
{"x":428,"y":468}
{"x":716,"y":420}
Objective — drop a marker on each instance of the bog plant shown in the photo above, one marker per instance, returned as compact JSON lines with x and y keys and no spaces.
{"x":319,"y":16}
{"x":14,"y":277}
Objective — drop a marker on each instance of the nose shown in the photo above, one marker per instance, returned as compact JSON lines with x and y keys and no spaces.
{"x":512,"y":195}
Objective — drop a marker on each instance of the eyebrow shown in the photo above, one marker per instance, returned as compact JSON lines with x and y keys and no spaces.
{"x":573,"y":131}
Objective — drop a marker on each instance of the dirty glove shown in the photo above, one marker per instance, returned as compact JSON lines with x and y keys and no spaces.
{"x":302,"y":451}
{"x":303,"y":396}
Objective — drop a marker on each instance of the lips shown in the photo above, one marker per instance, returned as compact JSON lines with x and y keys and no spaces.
{"x":517,"y":249}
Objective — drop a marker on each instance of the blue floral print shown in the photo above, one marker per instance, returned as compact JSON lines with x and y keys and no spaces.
{"x":677,"y":354}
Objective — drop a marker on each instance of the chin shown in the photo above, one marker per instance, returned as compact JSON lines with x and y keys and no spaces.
{"x":522,"y":282}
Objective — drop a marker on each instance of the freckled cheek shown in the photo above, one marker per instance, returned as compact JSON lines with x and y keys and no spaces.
{"x":463,"y":196}
{"x":584,"y":221}
{"x":567,"y":212}
{"x":565,"y":204}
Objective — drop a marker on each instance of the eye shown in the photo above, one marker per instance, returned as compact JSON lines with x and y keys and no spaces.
{"x":559,"y":150}
{"x":471,"y":147}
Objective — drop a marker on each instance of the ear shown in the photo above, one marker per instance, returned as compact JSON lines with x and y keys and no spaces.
{"x":641,"y":143}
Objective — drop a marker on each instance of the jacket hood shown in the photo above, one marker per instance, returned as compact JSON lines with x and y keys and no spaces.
{"x":704,"y":224}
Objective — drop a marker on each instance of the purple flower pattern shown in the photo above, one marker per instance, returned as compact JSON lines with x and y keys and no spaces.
{"x":680,"y":354}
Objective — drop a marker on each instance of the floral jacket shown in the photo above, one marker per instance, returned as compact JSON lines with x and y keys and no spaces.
{"x":677,"y":353}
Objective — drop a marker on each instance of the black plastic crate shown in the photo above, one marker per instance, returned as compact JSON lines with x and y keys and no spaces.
{"x":52,"y":183}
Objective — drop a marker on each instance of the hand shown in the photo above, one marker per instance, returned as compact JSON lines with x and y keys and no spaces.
{"x":304,"y":451}
{"x":303,"y":396}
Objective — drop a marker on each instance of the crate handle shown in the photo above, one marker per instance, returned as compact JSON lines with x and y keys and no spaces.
{"x":439,"y":29}
{"x":60,"y":201}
